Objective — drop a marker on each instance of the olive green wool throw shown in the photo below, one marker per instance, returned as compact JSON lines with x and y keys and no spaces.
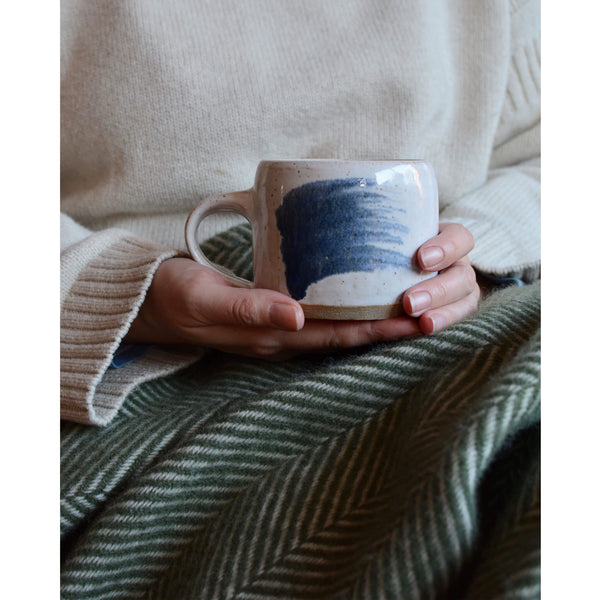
{"x":406,"y":470}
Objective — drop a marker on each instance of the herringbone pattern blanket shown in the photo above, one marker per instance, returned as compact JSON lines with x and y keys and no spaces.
{"x":404,"y":470}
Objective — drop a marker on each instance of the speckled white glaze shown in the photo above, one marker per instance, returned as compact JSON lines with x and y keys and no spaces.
{"x":395,"y":201}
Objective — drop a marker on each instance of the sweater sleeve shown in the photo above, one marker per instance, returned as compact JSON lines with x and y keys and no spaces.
{"x":104,"y":278}
{"x":503,"y":214}
{"x":504,"y":217}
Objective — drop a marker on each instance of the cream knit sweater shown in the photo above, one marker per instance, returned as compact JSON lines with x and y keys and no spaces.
{"x":165,"y":103}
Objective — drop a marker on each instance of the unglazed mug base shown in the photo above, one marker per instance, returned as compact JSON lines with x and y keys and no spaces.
{"x":351,"y":313}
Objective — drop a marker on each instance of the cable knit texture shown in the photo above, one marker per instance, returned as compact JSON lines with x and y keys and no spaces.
{"x":164,"y":104}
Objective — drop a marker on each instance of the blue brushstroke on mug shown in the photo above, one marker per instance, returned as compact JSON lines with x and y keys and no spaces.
{"x":338,"y":226}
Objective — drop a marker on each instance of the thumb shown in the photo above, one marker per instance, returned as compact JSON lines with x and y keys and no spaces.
{"x":227,"y":305}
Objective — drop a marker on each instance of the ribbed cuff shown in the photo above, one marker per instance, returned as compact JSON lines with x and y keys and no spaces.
{"x":96,"y":314}
{"x":504,"y":218}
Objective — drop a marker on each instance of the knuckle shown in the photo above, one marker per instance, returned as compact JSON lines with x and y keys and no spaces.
{"x":469,"y":277}
{"x":451,"y":247}
{"x":472,"y":280}
{"x":335,"y":339}
{"x":473,"y":305}
{"x":244,"y":311}
{"x":346,"y":337}
{"x":334,"y":342}
{"x":191,"y":300}
{"x":440,"y":290}
{"x":267,"y":350}
{"x":469,"y":237}
{"x":460,"y":239}
{"x":376,"y":332}
{"x":463,"y":232}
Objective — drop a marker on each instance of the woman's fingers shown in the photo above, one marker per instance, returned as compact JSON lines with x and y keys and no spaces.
{"x":451,"y":285}
{"x":440,"y":318}
{"x":190,"y":303}
{"x":227,"y":305}
{"x":331,"y":335}
{"x":444,"y":300}
{"x":315,"y":336}
{"x":453,"y":294}
{"x":453,"y":242}
{"x":438,"y":302}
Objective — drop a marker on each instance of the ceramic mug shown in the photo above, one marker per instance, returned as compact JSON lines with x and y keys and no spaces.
{"x":339,"y":236}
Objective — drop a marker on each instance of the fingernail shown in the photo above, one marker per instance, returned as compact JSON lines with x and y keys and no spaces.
{"x":437,"y":323}
{"x":431,"y":256}
{"x":284,"y":316}
{"x":419,"y":301}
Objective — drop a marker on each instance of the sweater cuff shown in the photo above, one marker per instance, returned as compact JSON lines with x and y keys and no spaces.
{"x":96,"y":314}
{"x":504,"y":218}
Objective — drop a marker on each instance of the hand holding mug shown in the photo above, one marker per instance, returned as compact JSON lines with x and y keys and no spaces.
{"x":454,"y":293}
{"x":190,"y":302}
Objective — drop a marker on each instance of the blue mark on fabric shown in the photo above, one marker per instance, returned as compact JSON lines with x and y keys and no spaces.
{"x":338,"y":226}
{"x":127,"y":353}
{"x":501,"y":280}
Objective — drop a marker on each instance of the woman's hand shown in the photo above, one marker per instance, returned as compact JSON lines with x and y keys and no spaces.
{"x":192,"y":304}
{"x":453,"y":294}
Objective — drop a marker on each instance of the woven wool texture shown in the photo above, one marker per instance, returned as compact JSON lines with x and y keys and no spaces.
{"x":404,"y":470}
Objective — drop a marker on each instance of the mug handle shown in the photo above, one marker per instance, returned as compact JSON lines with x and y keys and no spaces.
{"x":237,"y":202}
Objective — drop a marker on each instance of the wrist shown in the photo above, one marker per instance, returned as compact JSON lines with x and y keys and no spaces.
{"x":140,"y":331}
{"x":145,"y":329}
